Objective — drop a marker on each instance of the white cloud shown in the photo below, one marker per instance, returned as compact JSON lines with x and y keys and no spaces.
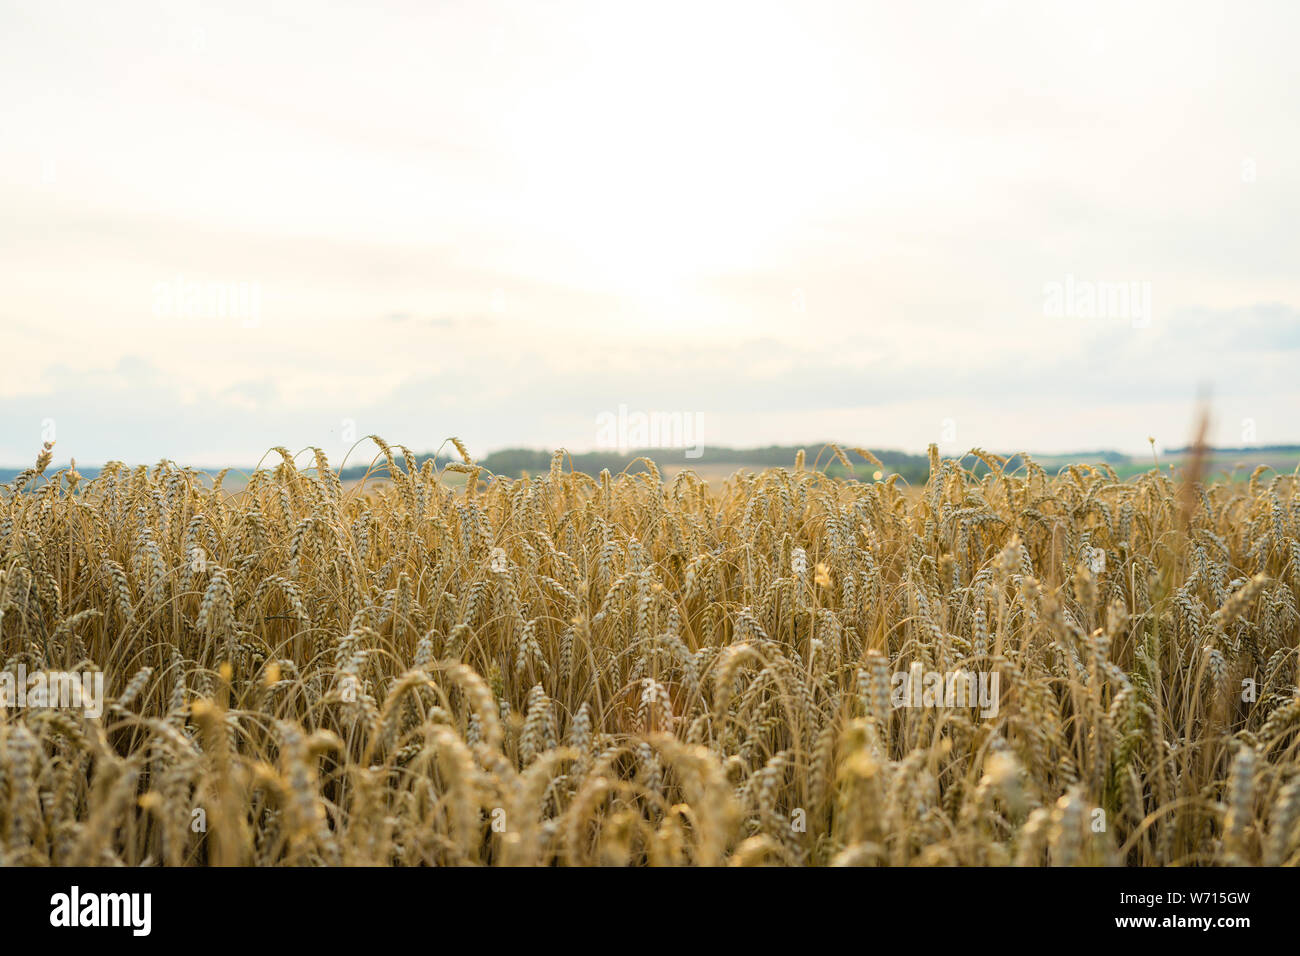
{"x":497,"y":220}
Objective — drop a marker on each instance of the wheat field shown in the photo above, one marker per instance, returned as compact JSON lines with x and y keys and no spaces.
{"x":561,"y":669}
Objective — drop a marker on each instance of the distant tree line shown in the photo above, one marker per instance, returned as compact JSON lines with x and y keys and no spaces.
{"x":514,"y":462}
{"x":914,"y":469}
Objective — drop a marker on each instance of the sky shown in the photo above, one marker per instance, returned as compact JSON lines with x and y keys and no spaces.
{"x":1042,"y":226}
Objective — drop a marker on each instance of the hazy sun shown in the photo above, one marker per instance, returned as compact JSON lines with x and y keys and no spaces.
{"x":657,"y":162}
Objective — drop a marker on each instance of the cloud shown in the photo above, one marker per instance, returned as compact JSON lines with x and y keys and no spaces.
{"x":816,"y":226}
{"x":496,"y":393}
{"x":1265,"y":327}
